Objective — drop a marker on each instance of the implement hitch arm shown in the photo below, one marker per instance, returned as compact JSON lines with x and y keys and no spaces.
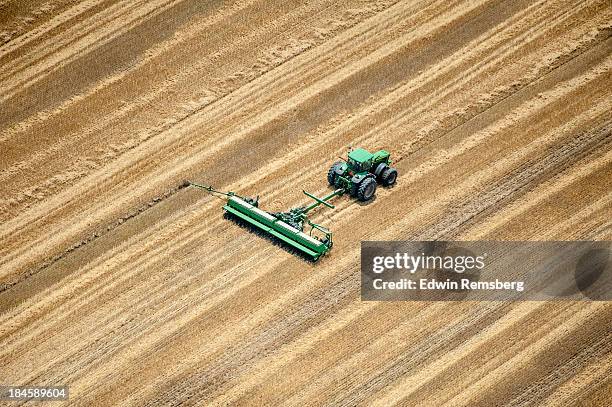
{"x":214,"y":192}
{"x":321,"y":201}
{"x":210,"y":189}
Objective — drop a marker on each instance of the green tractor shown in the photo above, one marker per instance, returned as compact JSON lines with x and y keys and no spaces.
{"x":360,"y":174}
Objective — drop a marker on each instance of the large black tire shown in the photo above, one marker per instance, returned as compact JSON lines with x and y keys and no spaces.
{"x":367,"y":189}
{"x":380,"y":168}
{"x":331,"y":174}
{"x":354,"y":189}
{"x":389,"y":176}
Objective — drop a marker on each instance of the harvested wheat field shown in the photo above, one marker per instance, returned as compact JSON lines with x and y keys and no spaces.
{"x":131,"y":289}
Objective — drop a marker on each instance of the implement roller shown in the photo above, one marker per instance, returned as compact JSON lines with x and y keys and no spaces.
{"x":288,"y":226}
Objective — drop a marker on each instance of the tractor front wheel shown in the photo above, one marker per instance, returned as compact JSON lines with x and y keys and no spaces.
{"x":366,"y":190}
{"x":380,"y":168}
{"x":389,"y":176}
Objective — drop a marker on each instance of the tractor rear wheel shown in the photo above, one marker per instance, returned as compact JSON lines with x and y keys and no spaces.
{"x":366,"y":190}
{"x":389,"y":176}
{"x":354,"y":189}
{"x":331,"y":174}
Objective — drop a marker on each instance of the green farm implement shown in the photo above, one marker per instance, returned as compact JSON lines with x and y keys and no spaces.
{"x":357,"y":176}
{"x":287,"y":227}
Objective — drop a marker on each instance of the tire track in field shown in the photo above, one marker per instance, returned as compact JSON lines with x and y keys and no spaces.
{"x":24,"y":73}
{"x":21,"y":44}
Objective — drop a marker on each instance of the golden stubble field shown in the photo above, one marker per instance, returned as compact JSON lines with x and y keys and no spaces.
{"x":132,"y":290}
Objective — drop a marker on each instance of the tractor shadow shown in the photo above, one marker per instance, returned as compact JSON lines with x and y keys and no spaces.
{"x":370,"y":201}
{"x":357,"y":201}
{"x":366,"y":203}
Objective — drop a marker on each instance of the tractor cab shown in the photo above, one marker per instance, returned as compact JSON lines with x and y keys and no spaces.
{"x":359,"y":160}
